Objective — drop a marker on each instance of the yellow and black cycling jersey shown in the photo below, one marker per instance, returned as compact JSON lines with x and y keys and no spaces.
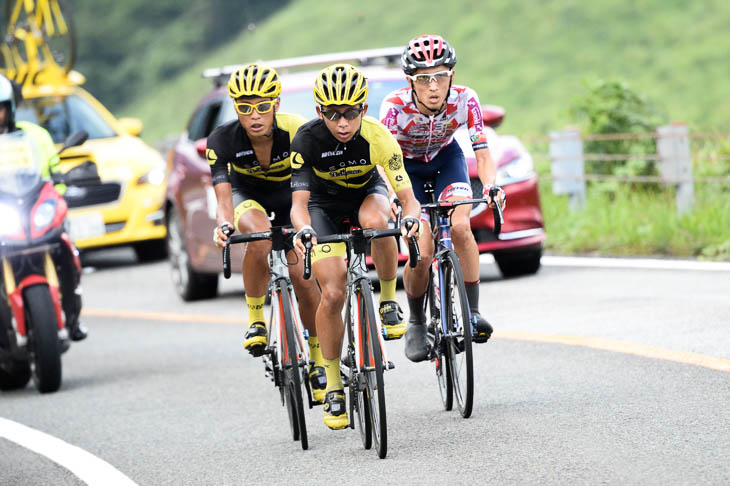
{"x":229,"y":144}
{"x":322,"y":164}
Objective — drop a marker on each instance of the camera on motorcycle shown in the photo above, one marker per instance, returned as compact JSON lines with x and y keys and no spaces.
{"x":75,"y":139}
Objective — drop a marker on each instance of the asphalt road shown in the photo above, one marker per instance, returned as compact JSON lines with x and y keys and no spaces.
{"x":595,"y":375}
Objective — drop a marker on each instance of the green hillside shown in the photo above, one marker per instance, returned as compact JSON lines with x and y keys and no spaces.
{"x":531,"y":57}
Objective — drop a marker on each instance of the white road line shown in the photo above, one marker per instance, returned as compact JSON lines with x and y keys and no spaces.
{"x":85,"y":466}
{"x":645,"y":263}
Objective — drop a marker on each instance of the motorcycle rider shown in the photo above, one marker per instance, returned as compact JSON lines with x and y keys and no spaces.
{"x":65,"y":256}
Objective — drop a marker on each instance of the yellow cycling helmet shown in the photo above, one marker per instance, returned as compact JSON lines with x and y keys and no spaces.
{"x":340,"y":84}
{"x":254,"y":80}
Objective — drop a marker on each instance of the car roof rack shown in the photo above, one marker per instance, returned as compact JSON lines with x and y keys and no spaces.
{"x":367,"y":57}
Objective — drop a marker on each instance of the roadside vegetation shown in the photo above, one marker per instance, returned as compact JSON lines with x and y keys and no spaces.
{"x":626,"y":218}
{"x":530,"y":58}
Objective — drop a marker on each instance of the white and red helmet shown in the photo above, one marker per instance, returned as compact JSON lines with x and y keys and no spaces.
{"x":427,"y":51}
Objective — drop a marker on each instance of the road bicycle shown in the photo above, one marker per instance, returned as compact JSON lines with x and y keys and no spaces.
{"x":38,"y":37}
{"x":286,"y":357}
{"x":450,"y":323}
{"x":364,"y":359}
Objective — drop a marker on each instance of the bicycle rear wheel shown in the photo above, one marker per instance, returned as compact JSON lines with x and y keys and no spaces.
{"x":372,"y":369}
{"x":440,"y":360}
{"x":291,"y":358}
{"x":458,"y":340}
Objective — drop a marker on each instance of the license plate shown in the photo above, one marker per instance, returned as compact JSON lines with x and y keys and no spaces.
{"x":87,"y":225}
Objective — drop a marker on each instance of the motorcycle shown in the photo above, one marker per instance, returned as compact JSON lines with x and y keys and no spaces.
{"x":33,"y":334}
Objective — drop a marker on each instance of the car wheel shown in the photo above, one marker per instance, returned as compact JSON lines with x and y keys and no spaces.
{"x":189,"y":284}
{"x":151,"y":251}
{"x":516,"y":263}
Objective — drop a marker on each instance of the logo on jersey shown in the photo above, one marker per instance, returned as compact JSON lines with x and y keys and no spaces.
{"x":395,"y":162}
{"x":332,"y":153}
{"x":296,"y":160}
{"x":243,"y":153}
{"x":211,"y":156}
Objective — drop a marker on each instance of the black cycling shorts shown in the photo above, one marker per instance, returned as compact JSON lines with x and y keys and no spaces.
{"x":333,"y":214}
{"x":274,"y":199}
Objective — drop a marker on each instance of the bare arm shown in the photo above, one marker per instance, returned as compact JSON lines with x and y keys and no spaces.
{"x":487,"y":170}
{"x":224,"y":212}
{"x":300,"y":216}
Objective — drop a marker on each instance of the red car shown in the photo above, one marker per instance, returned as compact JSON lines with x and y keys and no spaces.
{"x":191,"y":202}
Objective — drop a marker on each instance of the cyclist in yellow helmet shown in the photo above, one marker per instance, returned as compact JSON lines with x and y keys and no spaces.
{"x":256,"y":146}
{"x":335,"y":178}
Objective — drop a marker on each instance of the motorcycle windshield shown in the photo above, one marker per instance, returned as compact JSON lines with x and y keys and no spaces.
{"x":20,"y":169}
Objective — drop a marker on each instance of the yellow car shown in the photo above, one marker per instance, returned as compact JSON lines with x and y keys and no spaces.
{"x":116,"y":183}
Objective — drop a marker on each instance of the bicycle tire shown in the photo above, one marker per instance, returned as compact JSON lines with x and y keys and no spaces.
{"x":64,"y":54}
{"x":441,"y":363}
{"x":292,"y":370}
{"x":63,"y":57}
{"x":362,"y":406}
{"x":372,"y":371}
{"x":459,"y":341}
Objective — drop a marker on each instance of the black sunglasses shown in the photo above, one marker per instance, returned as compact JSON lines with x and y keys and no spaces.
{"x":349,"y":114}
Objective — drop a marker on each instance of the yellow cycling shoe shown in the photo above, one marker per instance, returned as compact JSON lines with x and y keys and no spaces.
{"x":335,"y":410}
{"x":255,"y":342}
{"x":318,"y":383}
{"x":391,"y":317}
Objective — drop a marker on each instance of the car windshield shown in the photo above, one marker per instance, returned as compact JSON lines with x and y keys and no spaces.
{"x":302,"y":101}
{"x":63,"y":115}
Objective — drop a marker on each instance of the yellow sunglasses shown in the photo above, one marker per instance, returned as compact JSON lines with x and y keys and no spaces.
{"x":247,"y":108}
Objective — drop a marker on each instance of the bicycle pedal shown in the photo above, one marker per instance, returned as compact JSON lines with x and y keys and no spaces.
{"x":391,"y":365}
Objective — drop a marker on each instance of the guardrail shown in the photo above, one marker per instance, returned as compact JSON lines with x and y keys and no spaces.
{"x":673,"y":160}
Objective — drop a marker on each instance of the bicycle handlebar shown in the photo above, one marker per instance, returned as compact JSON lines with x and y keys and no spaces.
{"x":496,"y":211}
{"x":283,"y":231}
{"x":361,"y":236}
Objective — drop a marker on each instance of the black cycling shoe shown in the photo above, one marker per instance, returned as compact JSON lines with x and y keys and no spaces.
{"x":78,"y":332}
{"x":391,"y":317}
{"x":417,"y":343}
{"x":318,"y":382}
{"x":335,"y":410}
{"x":255,"y":342}
{"x":482,"y":331}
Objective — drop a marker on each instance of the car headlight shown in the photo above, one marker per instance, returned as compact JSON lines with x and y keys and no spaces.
{"x":9,"y":221}
{"x":155,"y":176}
{"x":517,"y":169}
{"x":44,"y":213}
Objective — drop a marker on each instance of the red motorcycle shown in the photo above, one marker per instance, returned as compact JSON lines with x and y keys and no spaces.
{"x":33,"y":334}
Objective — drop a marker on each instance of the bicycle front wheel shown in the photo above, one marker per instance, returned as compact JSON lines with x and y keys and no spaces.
{"x":440,"y":360}
{"x":291,"y":360}
{"x":458,"y":337}
{"x":372,"y":368}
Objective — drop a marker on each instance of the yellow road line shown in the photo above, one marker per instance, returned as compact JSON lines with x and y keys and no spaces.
{"x":719,"y":364}
{"x":652,"y":352}
{"x":160,"y":316}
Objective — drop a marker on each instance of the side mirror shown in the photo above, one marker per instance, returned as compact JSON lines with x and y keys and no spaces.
{"x":75,"y":139}
{"x":492,"y":115}
{"x":201,"y":145}
{"x":131,"y":126}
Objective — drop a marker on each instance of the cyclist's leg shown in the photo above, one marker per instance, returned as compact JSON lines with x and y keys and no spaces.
{"x":250,"y":217}
{"x":453,"y":184}
{"x":308,"y":296}
{"x":69,"y":275}
{"x":374,"y":213}
{"x":415,"y":280}
{"x":328,"y":266}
